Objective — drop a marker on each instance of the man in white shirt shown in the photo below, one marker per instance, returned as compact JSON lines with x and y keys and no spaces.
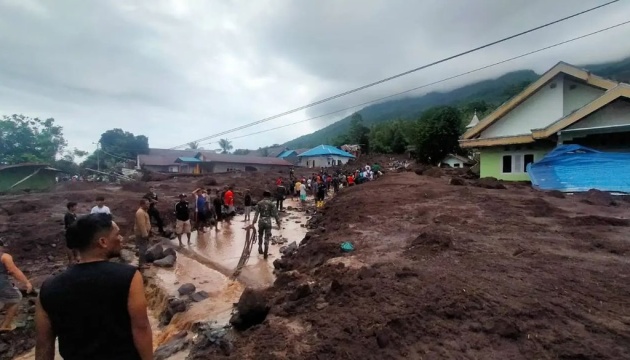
{"x":100,"y":207}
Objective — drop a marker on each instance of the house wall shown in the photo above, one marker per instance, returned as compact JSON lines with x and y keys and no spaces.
{"x":322,"y":161}
{"x":223,"y":167}
{"x":156,"y":168}
{"x":293,"y":158}
{"x":491,"y":161}
{"x":540,"y":110}
{"x":45,"y":179}
{"x":576,"y":95}
{"x":615,"y":113}
{"x":452,"y":162}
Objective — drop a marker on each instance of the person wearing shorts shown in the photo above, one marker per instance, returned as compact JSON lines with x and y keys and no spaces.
{"x":182,"y":219}
{"x":10,"y":297}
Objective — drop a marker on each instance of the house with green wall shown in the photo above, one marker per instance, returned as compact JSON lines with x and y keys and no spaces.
{"x":20,"y":177}
{"x":566,"y":105}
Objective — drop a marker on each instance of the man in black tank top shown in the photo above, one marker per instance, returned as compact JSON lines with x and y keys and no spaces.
{"x":96,"y":308}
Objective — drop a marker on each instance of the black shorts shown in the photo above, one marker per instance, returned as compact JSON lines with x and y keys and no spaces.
{"x":202,"y":217}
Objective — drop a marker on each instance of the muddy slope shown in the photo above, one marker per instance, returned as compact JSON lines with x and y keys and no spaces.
{"x":452,"y":272}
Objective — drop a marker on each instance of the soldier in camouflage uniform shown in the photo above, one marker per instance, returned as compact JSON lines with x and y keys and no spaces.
{"x":266,"y":209}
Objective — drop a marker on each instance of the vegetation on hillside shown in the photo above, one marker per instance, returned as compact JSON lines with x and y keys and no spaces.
{"x":490,"y":92}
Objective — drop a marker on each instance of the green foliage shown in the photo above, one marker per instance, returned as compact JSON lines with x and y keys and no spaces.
{"x":25,"y":139}
{"x":193,"y":145}
{"x":438,"y":133}
{"x":241,"y":152}
{"x":391,"y":137}
{"x":225,"y":145}
{"x":116,"y":146}
{"x":359,"y":134}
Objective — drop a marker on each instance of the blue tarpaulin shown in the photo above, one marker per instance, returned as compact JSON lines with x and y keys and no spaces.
{"x":575,"y":168}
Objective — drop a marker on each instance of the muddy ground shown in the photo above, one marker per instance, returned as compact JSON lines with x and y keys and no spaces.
{"x":452,"y":272}
{"x":31,"y":226}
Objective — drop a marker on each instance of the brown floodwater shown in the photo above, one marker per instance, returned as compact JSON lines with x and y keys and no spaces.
{"x":209,"y":263}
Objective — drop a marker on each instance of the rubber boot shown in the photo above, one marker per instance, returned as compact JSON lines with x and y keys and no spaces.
{"x":266,"y":253}
{"x":260,"y":249}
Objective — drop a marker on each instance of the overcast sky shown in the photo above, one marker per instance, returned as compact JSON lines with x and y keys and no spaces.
{"x":177,"y":70}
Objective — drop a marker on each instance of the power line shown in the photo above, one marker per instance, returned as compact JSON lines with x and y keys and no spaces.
{"x":435,"y":82}
{"x":402,"y":74}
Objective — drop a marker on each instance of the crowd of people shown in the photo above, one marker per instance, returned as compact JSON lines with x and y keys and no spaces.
{"x":102,"y":303}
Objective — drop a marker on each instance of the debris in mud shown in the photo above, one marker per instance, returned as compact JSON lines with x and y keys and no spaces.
{"x":168,"y":261}
{"x":595,"y":220}
{"x":301,"y":291}
{"x":186,"y":289}
{"x":289,"y":249}
{"x":489,"y":183}
{"x":173,"y":307}
{"x":432,"y":241}
{"x":433,"y":172}
{"x":155,"y":252}
{"x":456,"y":181}
{"x":210,"y":335}
{"x":199,"y":296}
{"x":252,"y":309}
{"x":539,"y":207}
{"x":278,"y":239}
{"x":598,"y":198}
{"x":555,"y":193}
{"x":176,"y":344}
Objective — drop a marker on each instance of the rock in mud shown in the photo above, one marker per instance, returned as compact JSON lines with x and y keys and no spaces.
{"x":174,"y":306}
{"x":175,"y":345}
{"x":456,"y":181}
{"x":168,"y":261}
{"x":199,"y":296}
{"x":252,"y":310}
{"x":289,"y":249}
{"x":280,"y":264}
{"x":170,"y":251}
{"x":186,"y":289}
{"x":489,"y":183}
{"x":302,"y":291}
{"x":155,"y":252}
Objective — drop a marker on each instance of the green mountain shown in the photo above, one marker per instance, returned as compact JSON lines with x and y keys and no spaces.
{"x":494,"y":92}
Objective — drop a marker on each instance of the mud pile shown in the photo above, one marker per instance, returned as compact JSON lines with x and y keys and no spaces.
{"x":449,"y":272}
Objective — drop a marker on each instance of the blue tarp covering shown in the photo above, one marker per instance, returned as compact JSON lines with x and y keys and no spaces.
{"x":575,"y":168}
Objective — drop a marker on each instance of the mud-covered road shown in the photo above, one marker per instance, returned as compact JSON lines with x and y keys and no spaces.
{"x":453,"y":272}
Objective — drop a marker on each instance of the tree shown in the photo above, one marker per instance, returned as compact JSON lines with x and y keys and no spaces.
{"x":225,"y":146}
{"x":264,"y":152}
{"x":25,"y":139}
{"x":68,"y":165}
{"x":241,"y":152}
{"x":439,"y":129}
{"x":359,"y":133}
{"x":117,"y":146}
{"x":193,"y":145}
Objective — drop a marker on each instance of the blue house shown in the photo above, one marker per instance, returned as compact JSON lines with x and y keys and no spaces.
{"x":324,"y":156}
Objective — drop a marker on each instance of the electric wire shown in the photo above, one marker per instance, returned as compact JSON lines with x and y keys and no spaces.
{"x":403,"y":73}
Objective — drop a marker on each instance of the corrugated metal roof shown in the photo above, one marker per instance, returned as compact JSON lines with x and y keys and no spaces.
{"x":164,"y":157}
{"x":286,"y":153}
{"x":326,"y":150}
{"x":187,"y":159}
{"x":243,"y":159}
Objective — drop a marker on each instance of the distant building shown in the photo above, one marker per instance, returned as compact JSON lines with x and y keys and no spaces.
{"x":324,"y":156}
{"x":352,"y":149}
{"x":291,"y":156}
{"x":202,"y":162}
{"x":456,"y":161}
{"x":27,"y":177}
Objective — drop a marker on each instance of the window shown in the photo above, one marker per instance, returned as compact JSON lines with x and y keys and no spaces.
{"x":173,"y":169}
{"x":456,"y":165}
{"x":516,"y":163}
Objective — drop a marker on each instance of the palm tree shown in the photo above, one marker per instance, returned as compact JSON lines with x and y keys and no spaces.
{"x":225,"y":145}
{"x":193,"y":145}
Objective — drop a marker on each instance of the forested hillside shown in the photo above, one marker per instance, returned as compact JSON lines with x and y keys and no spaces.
{"x":491,"y":92}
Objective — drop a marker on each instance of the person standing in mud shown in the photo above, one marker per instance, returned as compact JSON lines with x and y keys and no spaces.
{"x":229,"y":202}
{"x":217,"y":203}
{"x":69,"y":219}
{"x":97,"y":309}
{"x":142,"y":230}
{"x":100,"y":207}
{"x":265,"y":209}
{"x":10,"y":297}
{"x":248,"y":205}
{"x":281,"y":193}
{"x":201,"y":214}
{"x":182,"y":219}
{"x":154,"y":213}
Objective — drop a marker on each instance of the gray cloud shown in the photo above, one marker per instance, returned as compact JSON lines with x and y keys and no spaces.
{"x":178,"y":70}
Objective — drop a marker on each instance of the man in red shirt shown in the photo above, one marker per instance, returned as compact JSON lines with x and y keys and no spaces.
{"x":228,"y":200}
{"x":279,"y":181}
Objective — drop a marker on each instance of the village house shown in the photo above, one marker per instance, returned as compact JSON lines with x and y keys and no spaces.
{"x":27,"y":176}
{"x":291,"y":155}
{"x":456,"y":161}
{"x":324,"y":156}
{"x":566,"y":105}
{"x":203,"y":162}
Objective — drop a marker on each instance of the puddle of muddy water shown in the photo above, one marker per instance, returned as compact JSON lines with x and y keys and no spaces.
{"x":208,"y":263}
